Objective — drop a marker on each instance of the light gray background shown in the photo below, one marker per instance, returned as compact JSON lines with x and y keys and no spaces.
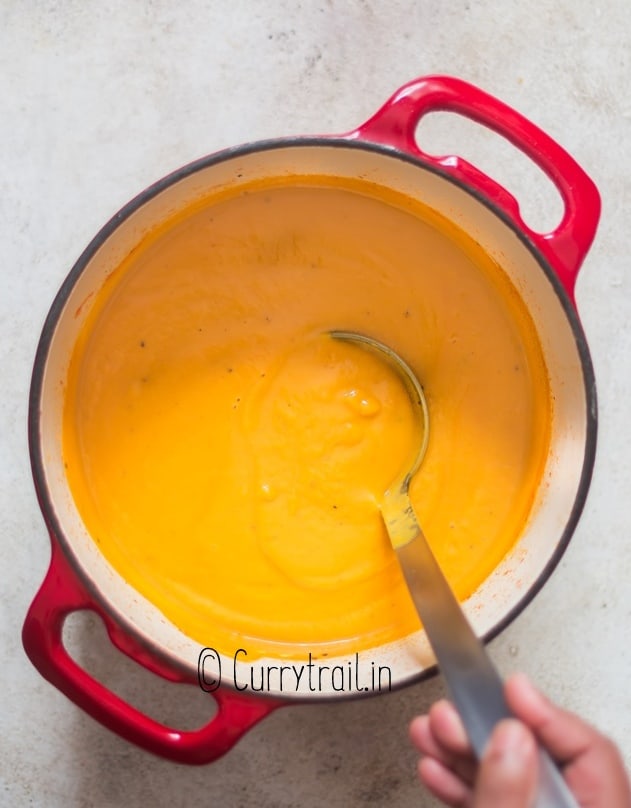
{"x":100,"y":99}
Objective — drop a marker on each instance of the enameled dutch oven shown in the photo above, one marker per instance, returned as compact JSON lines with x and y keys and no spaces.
{"x":543,"y":269}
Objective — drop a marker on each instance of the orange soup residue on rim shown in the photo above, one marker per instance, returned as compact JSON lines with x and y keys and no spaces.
{"x":229,"y":457}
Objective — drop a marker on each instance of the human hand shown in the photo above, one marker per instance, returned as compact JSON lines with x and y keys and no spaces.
{"x":506,"y":777}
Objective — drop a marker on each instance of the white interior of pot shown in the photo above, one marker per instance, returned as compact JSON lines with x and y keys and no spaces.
{"x":522,"y":568}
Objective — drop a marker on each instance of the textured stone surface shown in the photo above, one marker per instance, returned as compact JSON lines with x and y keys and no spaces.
{"x":100,"y":99}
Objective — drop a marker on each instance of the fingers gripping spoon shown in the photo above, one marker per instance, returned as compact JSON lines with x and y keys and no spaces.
{"x":474,"y":684}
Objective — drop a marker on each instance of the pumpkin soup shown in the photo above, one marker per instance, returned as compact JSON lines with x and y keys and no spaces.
{"x":229,"y":457}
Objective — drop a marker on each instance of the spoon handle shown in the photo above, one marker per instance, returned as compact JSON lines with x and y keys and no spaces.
{"x":473,"y":681}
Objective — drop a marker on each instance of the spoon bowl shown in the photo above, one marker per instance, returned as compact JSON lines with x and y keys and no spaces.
{"x":396,"y":507}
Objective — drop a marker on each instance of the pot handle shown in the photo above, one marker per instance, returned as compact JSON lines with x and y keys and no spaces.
{"x":60,"y":595}
{"x":395,"y":125}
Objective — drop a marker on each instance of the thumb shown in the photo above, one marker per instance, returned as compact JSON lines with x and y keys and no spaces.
{"x":508,"y":770}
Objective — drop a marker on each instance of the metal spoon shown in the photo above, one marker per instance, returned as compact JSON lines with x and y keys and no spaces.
{"x":473,"y":681}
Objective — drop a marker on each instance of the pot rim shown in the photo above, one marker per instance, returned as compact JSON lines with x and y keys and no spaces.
{"x":56,"y":530}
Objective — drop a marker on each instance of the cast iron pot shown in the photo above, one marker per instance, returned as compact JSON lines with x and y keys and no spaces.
{"x":543,"y":269}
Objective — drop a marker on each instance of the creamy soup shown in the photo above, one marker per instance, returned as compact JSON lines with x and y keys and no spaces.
{"x":229,"y":457}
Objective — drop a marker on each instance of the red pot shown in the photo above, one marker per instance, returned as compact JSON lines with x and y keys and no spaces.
{"x":543,"y":269}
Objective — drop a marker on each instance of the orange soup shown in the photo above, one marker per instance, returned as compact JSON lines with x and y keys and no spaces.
{"x":229,"y":457}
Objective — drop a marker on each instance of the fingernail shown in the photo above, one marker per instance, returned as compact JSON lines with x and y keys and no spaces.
{"x":512,"y":743}
{"x":527,"y":687}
